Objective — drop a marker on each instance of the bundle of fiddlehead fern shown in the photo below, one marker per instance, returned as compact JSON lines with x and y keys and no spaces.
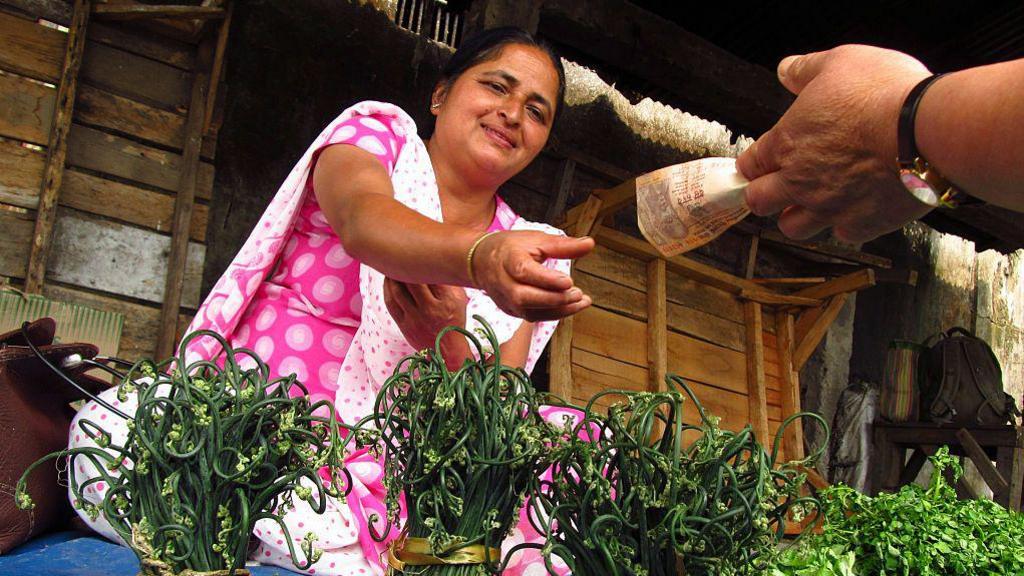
{"x":630,"y":493}
{"x":210,"y":450}
{"x":465,"y":446}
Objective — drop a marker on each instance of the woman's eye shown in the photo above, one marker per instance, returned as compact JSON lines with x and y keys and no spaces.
{"x":497,"y":87}
{"x":536,"y":113}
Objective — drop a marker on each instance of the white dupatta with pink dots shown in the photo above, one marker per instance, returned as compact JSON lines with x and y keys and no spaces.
{"x":378,"y":343}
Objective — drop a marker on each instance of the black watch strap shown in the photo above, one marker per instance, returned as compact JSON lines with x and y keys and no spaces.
{"x":906,"y":142}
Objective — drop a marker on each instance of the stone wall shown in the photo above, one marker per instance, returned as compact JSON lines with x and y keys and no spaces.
{"x":956,"y":287}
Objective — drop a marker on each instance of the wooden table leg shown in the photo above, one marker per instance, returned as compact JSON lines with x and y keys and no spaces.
{"x":1004,"y":465}
{"x":913,"y":466}
{"x":890,"y":462}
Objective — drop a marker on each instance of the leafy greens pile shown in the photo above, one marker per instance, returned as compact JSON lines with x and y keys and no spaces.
{"x":918,"y":531}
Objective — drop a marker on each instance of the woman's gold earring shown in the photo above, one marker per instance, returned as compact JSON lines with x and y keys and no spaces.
{"x":435,"y":105}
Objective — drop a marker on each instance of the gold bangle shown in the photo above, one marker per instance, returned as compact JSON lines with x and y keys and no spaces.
{"x":469,"y":257}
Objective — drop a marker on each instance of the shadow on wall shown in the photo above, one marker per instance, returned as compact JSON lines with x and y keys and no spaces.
{"x":944,"y":297}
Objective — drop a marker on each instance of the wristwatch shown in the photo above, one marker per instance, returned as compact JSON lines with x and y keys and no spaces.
{"x":920,"y":178}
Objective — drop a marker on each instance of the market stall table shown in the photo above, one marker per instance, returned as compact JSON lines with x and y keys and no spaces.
{"x":983,"y":444}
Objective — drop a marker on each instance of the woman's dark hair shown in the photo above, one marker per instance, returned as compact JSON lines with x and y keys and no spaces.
{"x":488,"y":44}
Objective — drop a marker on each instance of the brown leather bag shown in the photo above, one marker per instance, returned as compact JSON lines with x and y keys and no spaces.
{"x":35,"y":414}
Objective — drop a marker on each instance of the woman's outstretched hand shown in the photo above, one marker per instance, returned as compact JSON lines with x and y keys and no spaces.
{"x":509,"y":267}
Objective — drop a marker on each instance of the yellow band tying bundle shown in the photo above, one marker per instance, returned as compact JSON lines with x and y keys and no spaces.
{"x":416,"y":552}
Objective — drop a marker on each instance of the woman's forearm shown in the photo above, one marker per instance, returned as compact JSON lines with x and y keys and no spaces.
{"x":970,"y":126}
{"x":403,"y":244}
{"x":357,"y":198}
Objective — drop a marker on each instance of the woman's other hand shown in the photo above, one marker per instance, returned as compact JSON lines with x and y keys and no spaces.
{"x":509,"y":267}
{"x":423,"y":310}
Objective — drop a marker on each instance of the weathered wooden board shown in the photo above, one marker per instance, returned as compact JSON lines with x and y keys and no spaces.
{"x":711,"y":300}
{"x":706,"y":326}
{"x":611,"y":296}
{"x":30,"y":49}
{"x":628,"y":271}
{"x":614,"y":266}
{"x":130,"y":38}
{"x":136,"y":77}
{"x":138,"y":336}
{"x":593,"y":374}
{"x":21,"y":174}
{"x":26,"y":109}
{"x":630,"y":302}
{"x":118,"y":259}
{"x":608,"y":334}
{"x":708,"y":363}
{"x":99,"y":108}
{"x":58,"y":11}
{"x":101,"y":152}
{"x":127,"y":203}
{"x":26,"y":113}
{"x":17,"y":227}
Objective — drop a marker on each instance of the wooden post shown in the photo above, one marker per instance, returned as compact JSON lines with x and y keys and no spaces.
{"x":1017,"y":473}
{"x":1000,"y":487}
{"x":809,"y":335}
{"x":751,"y":262}
{"x":793,"y":438}
{"x":586,"y":219}
{"x":657,"y":326}
{"x":218,"y":66}
{"x":57,"y":148}
{"x":560,"y":362}
{"x":183,"y":204}
{"x":756,"y":394}
{"x":657,"y":333}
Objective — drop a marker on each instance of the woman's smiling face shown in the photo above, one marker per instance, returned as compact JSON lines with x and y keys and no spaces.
{"x":497,"y":115}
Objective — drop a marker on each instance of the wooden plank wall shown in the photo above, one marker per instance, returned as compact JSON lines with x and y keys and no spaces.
{"x":116,"y":203}
{"x":706,"y":341}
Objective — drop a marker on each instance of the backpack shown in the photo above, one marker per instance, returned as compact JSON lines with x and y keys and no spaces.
{"x":962,"y":382}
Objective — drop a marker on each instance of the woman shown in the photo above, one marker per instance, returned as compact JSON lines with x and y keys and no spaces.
{"x":377,"y":240}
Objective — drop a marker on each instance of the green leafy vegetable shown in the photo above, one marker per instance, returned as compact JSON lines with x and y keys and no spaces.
{"x":918,"y":531}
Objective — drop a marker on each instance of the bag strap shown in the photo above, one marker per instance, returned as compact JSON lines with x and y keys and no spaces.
{"x":955,"y":330}
{"x":933,"y":339}
{"x":942,"y":410}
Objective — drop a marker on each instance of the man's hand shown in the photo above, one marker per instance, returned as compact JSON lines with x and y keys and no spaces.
{"x":831,"y":159}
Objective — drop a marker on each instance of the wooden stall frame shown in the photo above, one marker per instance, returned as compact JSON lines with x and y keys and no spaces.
{"x":800,"y":319}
